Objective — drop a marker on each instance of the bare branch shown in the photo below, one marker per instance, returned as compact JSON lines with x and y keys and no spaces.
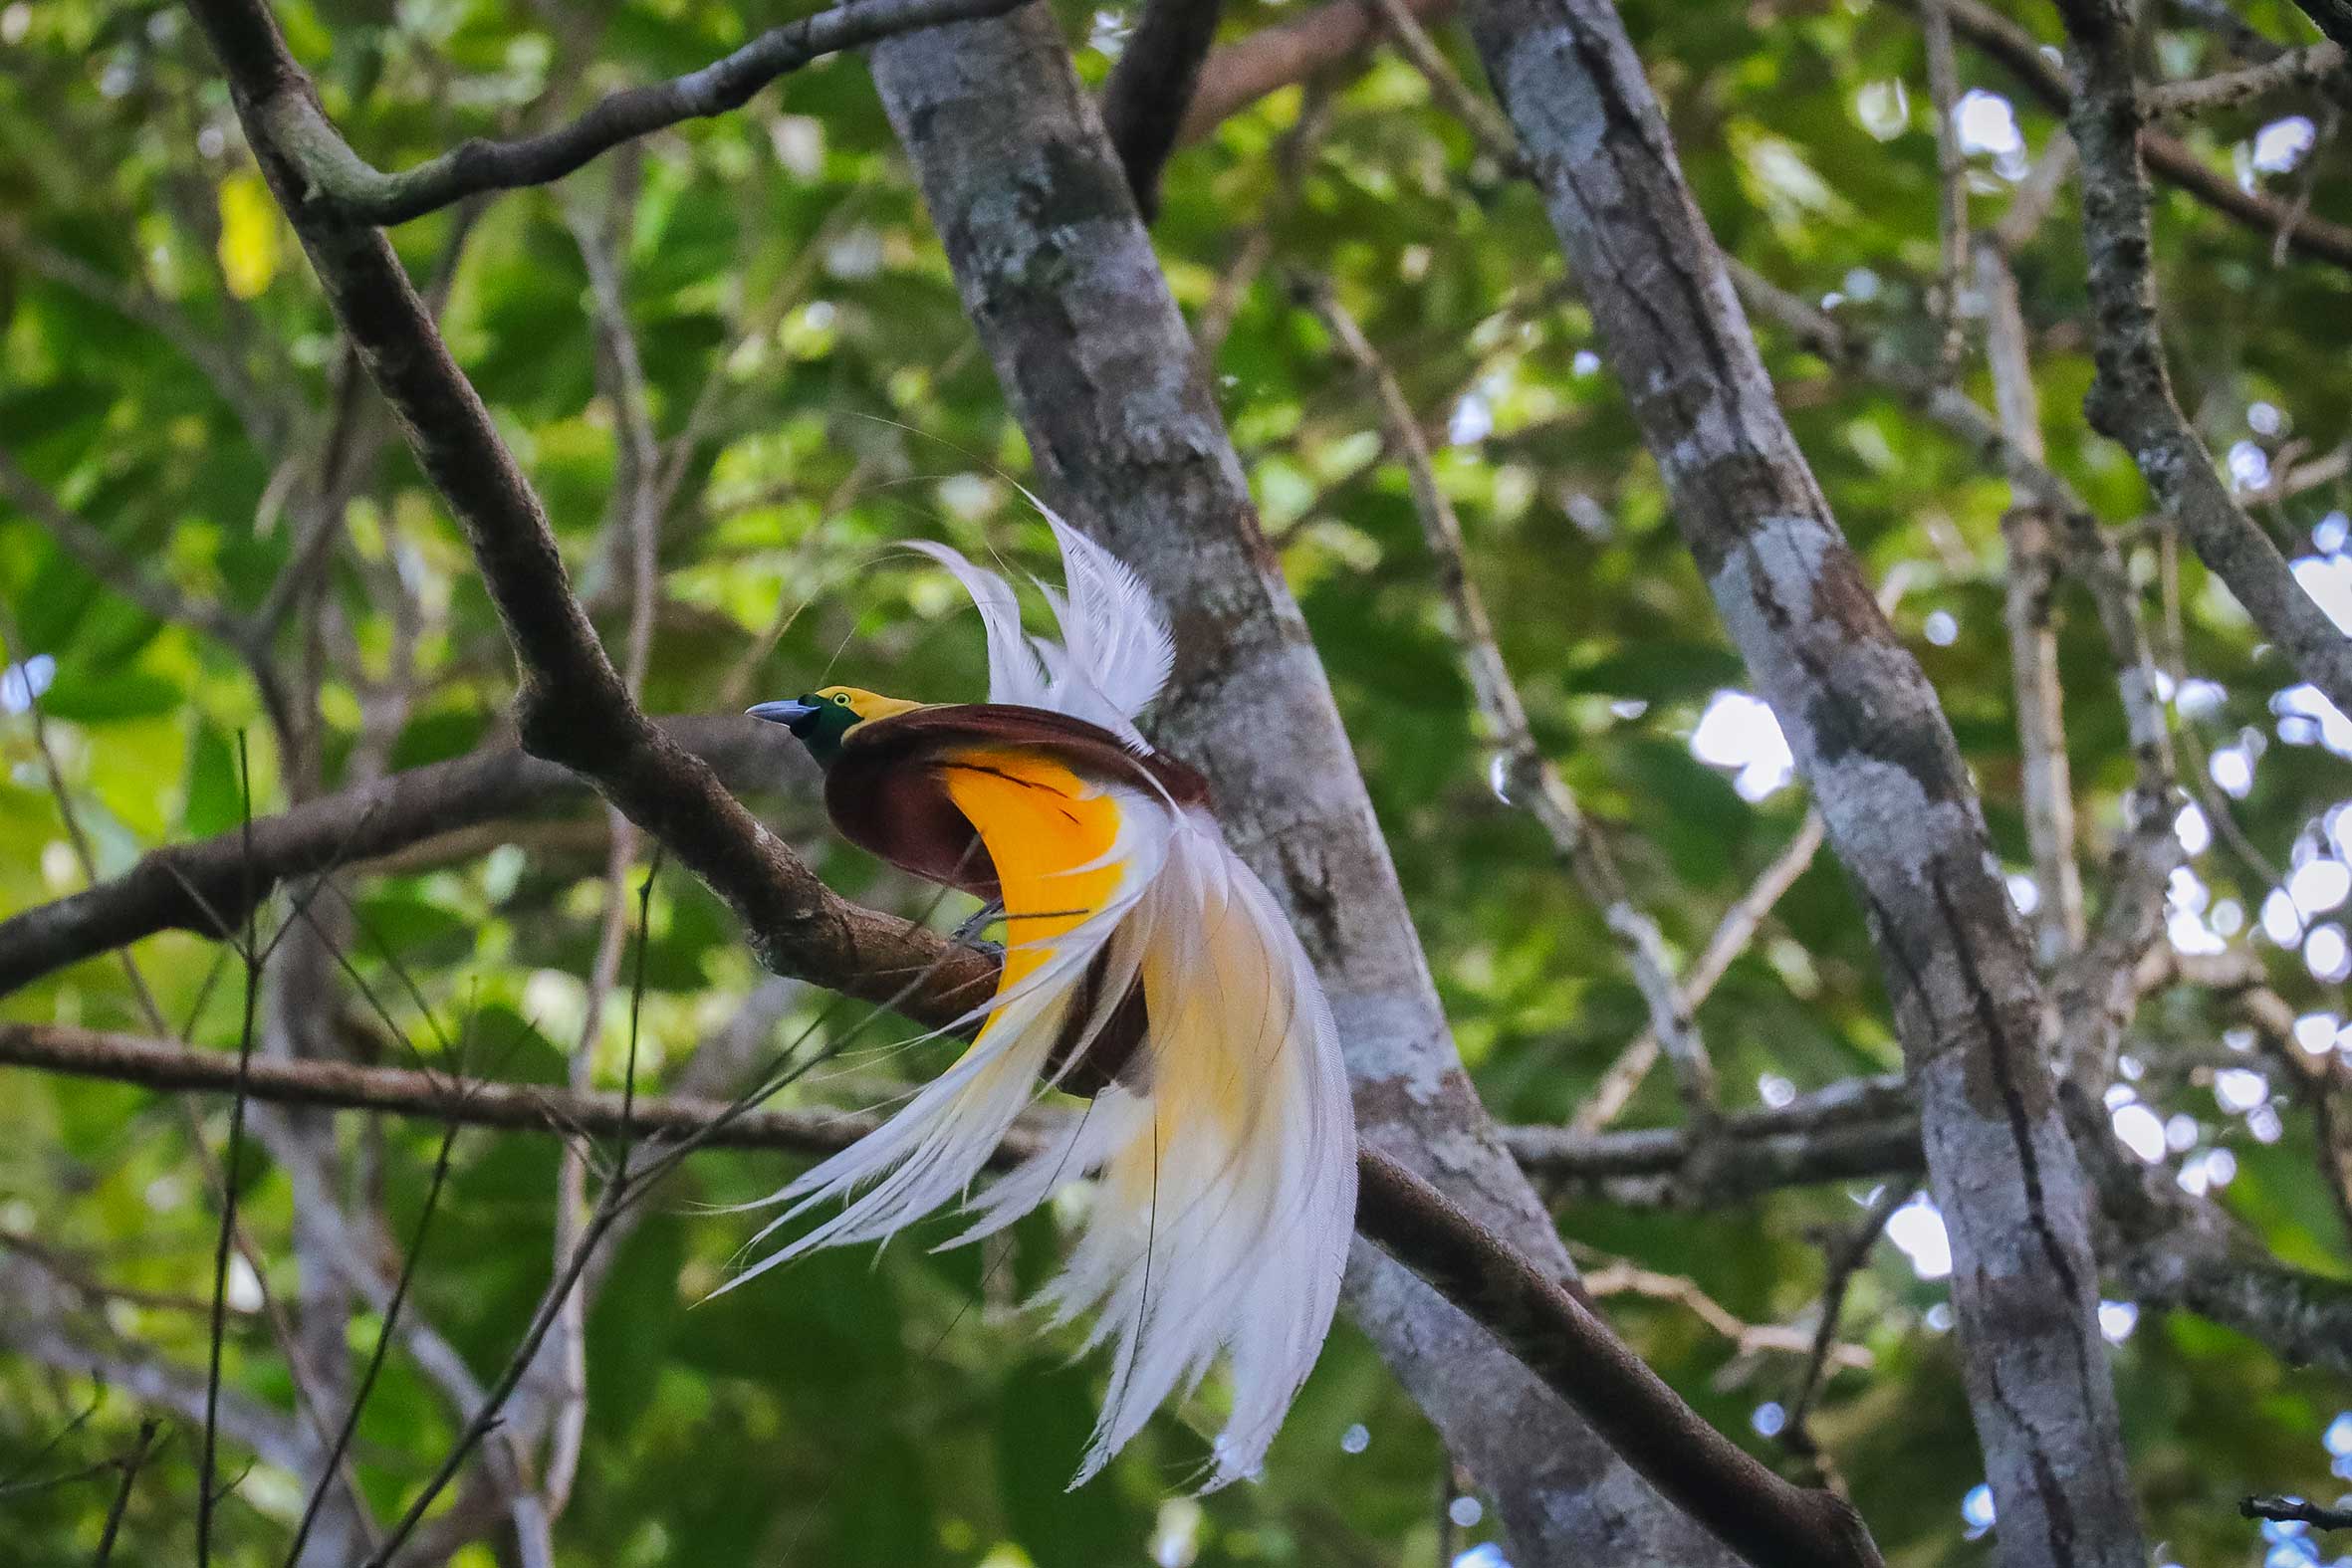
{"x":1150,"y":87}
{"x":1769,"y":1522}
{"x":1521,"y":765}
{"x":2311,"y":66}
{"x":635,"y":520}
{"x":2029,"y":585}
{"x":1273,"y":58}
{"x":2180,"y":1253}
{"x":2019,"y":53}
{"x":1733,"y":932}
{"x":1859,"y":1130}
{"x":200,"y":886}
{"x":229,"y":1188}
{"x":1872,"y":741}
{"x":1951,"y":185}
{"x":2133,"y":400}
{"x":2295,"y":1510}
{"x":1623,"y":1278}
{"x":1846,"y":1259}
{"x":327,"y":174}
{"x":414,"y":1255}
{"x":131,"y":1465}
{"x":1481,"y":117}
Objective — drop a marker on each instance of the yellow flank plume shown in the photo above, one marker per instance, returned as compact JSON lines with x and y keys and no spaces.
{"x":1042,"y":824}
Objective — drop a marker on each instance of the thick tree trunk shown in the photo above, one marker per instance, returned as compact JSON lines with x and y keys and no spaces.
{"x":1059,"y":277}
{"x":1875,"y":747}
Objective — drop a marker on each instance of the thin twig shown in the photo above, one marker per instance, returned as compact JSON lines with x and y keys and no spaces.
{"x":385,"y":1324}
{"x":1620,"y":1277}
{"x":2030,"y":587}
{"x":1487,"y":125}
{"x":2310,"y":66}
{"x":130,"y":1464}
{"x":1952,"y":186}
{"x":1733,"y":932}
{"x":1844,"y":1262}
{"x":622,"y":1189}
{"x":637,"y":519}
{"x":2294,"y":1511}
{"x":57,"y":1439}
{"x":205,"y":1497}
{"x":361,"y":193}
{"x":1521,"y":772}
{"x":1294,"y":152}
{"x":2132,"y":401}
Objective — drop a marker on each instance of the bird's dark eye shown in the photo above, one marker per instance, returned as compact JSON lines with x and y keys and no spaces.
{"x":844,"y":700}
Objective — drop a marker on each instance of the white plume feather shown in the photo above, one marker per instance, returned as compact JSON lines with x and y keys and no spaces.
{"x":1225,"y":1157}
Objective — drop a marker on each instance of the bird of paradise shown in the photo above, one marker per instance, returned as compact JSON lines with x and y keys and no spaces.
{"x":1146,"y":970}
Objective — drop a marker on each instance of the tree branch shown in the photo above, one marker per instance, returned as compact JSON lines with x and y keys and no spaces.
{"x":2132,"y":401}
{"x":1128,"y":439}
{"x":2170,"y":1252}
{"x":201,"y":886}
{"x":1872,"y":741}
{"x":1952,"y":187}
{"x":1526,"y":773}
{"x":1733,"y":932}
{"x":331,"y":176}
{"x":2028,"y":587}
{"x":1273,"y":58}
{"x":1480,"y":117}
{"x":2311,"y":66}
{"x":1145,"y":100}
{"x":2019,"y":52}
{"x":1862,"y":1130}
{"x":2295,"y":1510}
{"x":1769,"y":1521}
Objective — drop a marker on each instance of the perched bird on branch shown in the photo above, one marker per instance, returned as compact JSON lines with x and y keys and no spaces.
{"x":1146,"y":970}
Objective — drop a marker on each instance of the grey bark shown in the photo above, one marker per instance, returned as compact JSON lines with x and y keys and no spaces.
{"x":1059,"y":276}
{"x":2133,"y":401}
{"x":1885,"y":771}
{"x":2030,"y":586}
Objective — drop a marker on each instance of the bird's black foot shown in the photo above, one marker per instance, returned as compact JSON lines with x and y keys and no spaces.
{"x":968,"y":934}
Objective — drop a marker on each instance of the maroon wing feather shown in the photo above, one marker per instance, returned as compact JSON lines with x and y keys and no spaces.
{"x":887,"y":796}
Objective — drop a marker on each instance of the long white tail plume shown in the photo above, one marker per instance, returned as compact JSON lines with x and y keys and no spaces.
{"x":1223,"y":1155}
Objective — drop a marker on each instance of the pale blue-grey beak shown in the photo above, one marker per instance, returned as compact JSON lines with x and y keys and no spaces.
{"x":787,"y":711}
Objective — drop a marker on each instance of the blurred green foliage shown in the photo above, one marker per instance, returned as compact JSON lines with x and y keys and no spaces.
{"x":783,"y":280}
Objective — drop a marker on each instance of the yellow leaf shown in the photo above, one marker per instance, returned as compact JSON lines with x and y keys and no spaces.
{"x":249,"y":241}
